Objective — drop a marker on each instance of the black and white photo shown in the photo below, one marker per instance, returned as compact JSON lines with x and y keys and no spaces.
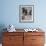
{"x":26,"y":13}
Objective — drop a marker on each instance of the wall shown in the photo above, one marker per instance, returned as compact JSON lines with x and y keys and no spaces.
{"x":9,"y":13}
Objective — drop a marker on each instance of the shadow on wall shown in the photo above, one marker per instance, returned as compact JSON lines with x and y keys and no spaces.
{"x":2,"y":26}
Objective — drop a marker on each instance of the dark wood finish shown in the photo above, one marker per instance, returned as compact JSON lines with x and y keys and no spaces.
{"x":23,"y":39}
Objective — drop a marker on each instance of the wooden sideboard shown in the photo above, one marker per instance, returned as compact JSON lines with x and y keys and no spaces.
{"x":23,"y":39}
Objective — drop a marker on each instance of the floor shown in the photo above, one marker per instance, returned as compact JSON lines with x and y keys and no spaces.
{"x":0,"y":44}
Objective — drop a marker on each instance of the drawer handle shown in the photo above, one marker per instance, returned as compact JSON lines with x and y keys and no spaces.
{"x":33,"y":39}
{"x":11,"y":38}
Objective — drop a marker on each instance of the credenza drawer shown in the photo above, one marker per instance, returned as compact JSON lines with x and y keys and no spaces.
{"x":13,"y":33}
{"x":33,"y":33}
{"x":38,"y":39}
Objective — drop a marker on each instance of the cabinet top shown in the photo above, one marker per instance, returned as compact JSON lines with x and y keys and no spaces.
{"x":22,"y":30}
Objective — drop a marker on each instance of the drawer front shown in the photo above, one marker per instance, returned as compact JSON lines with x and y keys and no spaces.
{"x":13,"y":33}
{"x":27,"y":41}
{"x":8,"y":44}
{"x":37,"y":39}
{"x":12,"y":39}
{"x":33,"y":40}
{"x":37,"y":44}
{"x":12,"y":45}
{"x":34,"y":33}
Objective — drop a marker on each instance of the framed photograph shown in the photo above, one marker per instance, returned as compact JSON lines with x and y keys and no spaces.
{"x":26,"y":13}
